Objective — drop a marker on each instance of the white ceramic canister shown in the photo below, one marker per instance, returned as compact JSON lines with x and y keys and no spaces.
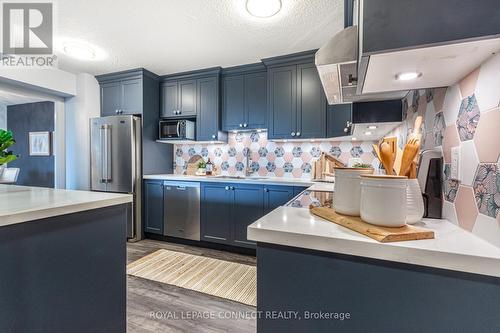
{"x":347,"y":190}
{"x":414,"y":202}
{"x":383,"y":200}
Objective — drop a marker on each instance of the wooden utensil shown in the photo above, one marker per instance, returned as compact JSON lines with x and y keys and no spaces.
{"x":393,"y":143}
{"x":417,"y":125}
{"x":376,"y":149}
{"x":412,"y":174}
{"x":409,"y":154}
{"x":386,"y":157}
{"x":381,"y":234}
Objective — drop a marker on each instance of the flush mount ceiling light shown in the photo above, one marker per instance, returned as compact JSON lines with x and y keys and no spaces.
{"x":405,"y":76}
{"x":81,"y":50}
{"x":368,"y":133}
{"x":263,"y":8}
{"x":372,"y":127}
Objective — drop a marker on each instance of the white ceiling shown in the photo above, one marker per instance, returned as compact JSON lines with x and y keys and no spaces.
{"x":168,"y":36}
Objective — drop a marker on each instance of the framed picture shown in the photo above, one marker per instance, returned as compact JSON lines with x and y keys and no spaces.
{"x":39,"y":143}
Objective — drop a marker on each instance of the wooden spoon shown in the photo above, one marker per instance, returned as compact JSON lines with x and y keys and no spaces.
{"x":386,"y":157}
{"x":409,"y":153}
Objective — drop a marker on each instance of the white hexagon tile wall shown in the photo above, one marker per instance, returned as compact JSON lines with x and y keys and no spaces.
{"x":465,"y":115}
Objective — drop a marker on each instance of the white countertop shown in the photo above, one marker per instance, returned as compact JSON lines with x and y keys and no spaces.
{"x":453,"y":248}
{"x":21,"y":203}
{"x":322,"y":187}
{"x":248,"y":180}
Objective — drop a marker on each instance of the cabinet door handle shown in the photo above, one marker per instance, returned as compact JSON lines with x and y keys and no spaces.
{"x":245,"y":125}
{"x":298,"y":133}
{"x":293,"y":134}
{"x":266,"y":190}
{"x":345,"y":129}
{"x":241,"y":125}
{"x":214,"y":136}
{"x":232,"y":188}
{"x":227,"y":188}
{"x":117,"y":111}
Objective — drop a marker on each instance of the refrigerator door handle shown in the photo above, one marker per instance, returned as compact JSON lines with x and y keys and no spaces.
{"x":102,"y":143}
{"x":107,"y":153}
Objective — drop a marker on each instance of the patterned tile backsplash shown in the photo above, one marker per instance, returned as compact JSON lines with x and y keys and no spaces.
{"x":272,"y":159}
{"x":465,"y":115}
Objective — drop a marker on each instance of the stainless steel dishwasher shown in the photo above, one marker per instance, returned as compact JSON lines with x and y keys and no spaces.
{"x":181,"y":216}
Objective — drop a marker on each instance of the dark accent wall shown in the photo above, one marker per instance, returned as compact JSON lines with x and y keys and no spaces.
{"x":22,"y":119}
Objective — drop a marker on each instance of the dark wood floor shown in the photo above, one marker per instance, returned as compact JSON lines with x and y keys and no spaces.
{"x":145,"y":297}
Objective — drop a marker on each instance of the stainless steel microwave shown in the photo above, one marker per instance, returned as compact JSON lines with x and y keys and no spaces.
{"x":176,"y":130}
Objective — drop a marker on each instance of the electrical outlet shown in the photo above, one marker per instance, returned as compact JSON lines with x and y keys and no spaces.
{"x":455,"y":163}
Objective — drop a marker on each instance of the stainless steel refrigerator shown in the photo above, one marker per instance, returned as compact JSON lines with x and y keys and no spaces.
{"x":115,"y":162}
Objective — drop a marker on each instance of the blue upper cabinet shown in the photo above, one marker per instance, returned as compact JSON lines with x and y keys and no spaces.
{"x":339,"y":118}
{"x":244,"y":93}
{"x":256,"y":100}
{"x":187,"y":98}
{"x":296,"y":101}
{"x":282,"y":102}
{"x":178,"y":99}
{"x":169,"y":95}
{"x":311,"y":103}
{"x":233,"y":105}
{"x":110,"y":98}
{"x":208,"y":120}
{"x":121,"y":93}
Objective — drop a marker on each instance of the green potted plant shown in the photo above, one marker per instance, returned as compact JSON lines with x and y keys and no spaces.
{"x":6,"y":156}
{"x":202,"y":168}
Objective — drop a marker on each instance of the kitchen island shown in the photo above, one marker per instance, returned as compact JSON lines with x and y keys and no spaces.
{"x":62,"y":259}
{"x":323,"y":277}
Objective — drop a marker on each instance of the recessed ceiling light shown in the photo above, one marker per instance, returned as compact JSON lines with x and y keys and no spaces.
{"x":368,"y":133}
{"x":405,"y":76}
{"x":353,"y":139}
{"x":263,"y":8}
{"x":81,"y":50}
{"x":372,"y":127}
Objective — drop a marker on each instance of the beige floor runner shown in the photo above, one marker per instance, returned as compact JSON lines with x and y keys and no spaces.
{"x":237,"y":282}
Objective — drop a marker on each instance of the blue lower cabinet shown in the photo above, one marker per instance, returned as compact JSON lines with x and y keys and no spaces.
{"x":276,"y":196}
{"x":216,"y":204}
{"x":298,"y":189}
{"x":153,"y":206}
{"x":248,"y":207}
{"x":227,"y":210}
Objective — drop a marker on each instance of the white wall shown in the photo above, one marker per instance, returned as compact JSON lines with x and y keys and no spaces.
{"x":78,"y":110}
{"x":54,"y":81}
{"x":3,"y":116}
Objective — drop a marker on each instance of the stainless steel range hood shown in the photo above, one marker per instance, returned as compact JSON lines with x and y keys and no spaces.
{"x":337,"y":65}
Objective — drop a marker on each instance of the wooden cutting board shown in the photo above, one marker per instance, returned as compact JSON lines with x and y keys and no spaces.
{"x":192,"y":165}
{"x":381,"y":234}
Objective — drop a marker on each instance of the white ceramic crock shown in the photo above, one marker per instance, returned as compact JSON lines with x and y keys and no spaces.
{"x":347,"y":190}
{"x":414,"y":202}
{"x":383,"y":200}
